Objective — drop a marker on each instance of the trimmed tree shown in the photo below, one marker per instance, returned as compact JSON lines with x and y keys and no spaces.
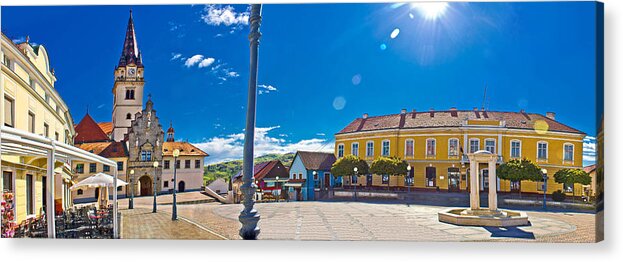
{"x":391,"y":166}
{"x":572,"y":176}
{"x":345,"y":166}
{"x":516,"y":170}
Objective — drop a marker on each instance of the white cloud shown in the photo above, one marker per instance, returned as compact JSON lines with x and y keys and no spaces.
{"x":193,"y":60}
{"x":320,"y":134}
{"x":589,"y":149}
{"x":175,"y":56}
{"x":230,"y":146}
{"x":206,"y":62}
{"x":224,"y":15}
{"x":265,"y":89}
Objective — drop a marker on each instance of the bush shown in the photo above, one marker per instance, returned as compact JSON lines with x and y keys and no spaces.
{"x":559,"y":196}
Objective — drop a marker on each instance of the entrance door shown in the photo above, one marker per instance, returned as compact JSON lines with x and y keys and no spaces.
{"x":369,"y":180}
{"x":484,"y":179}
{"x":515,"y":186}
{"x":181,"y":187}
{"x":454,"y":179}
{"x":327,"y":181}
{"x":146,"y":186}
{"x":299,"y":196}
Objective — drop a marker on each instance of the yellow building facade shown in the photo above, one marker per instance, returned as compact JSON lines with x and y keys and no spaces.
{"x":31,"y":104}
{"x":434,"y":143}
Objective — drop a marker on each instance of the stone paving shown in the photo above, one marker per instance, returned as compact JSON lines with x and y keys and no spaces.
{"x":344,"y":221}
{"x":141,"y":223}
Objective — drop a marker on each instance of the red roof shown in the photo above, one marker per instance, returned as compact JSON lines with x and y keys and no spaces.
{"x":271,"y":169}
{"x":109,"y":149}
{"x":88,"y":131}
{"x":106,"y":127}
{"x":452,"y":118}
{"x":589,"y":169}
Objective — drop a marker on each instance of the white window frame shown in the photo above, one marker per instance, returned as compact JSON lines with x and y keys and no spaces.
{"x":353,"y":151}
{"x":370,"y":153}
{"x":434,"y":147}
{"x":511,"y":148}
{"x":340,"y":154}
{"x":389,"y":148}
{"x":470,"y":145}
{"x":564,"y":152}
{"x":457,"y":146}
{"x":494,"y":144}
{"x":546,"y":150}
{"x":412,"y":147}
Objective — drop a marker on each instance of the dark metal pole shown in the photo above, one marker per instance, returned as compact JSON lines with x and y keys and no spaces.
{"x":155,"y":187}
{"x":249,"y":216}
{"x":174,"y":213}
{"x":544,"y":191}
{"x":131,"y":202}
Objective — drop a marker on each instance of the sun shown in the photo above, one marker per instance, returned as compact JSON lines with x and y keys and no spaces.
{"x":430,"y":10}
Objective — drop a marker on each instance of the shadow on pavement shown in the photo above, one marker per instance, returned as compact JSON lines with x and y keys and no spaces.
{"x":509,"y":232}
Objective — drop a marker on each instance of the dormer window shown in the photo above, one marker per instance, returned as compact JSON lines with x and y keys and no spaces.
{"x":128,"y":116}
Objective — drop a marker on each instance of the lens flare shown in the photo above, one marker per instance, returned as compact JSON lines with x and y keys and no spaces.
{"x":541,"y":127}
{"x":430,"y":10}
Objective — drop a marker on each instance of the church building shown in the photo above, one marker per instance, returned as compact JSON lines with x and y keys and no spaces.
{"x":135,"y":137}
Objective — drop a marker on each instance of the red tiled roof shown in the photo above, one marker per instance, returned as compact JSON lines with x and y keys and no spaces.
{"x":186,"y":149}
{"x":270,"y":169}
{"x":89,"y":131}
{"x":316,"y":160}
{"x":452,"y":118}
{"x":109,"y":149}
{"x":106,"y":127}
{"x":589,"y":169}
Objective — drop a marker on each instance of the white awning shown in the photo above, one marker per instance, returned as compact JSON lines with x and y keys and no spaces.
{"x":98,"y":180}
{"x":21,"y":143}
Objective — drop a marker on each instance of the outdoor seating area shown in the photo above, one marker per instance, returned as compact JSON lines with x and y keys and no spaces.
{"x":78,"y":222}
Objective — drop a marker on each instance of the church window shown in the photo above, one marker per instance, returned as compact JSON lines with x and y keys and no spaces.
{"x":128,"y":116}
{"x":145,"y":155}
{"x":186,"y":163}
{"x":129,"y":94}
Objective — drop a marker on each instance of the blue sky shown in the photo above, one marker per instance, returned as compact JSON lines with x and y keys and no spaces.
{"x":322,"y":65}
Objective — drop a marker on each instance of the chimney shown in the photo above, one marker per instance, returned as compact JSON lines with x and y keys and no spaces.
{"x":413,"y":113}
{"x":432,"y":112}
{"x":365,"y":116}
{"x":476,"y":109}
{"x":522,"y":111}
{"x":403,"y":111}
{"x":453,"y":112}
{"x":452,"y":108}
{"x":551,"y":115}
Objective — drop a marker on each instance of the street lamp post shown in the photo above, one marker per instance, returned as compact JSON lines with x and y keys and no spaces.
{"x":357,"y":181}
{"x":544,"y":171}
{"x":409,"y":178}
{"x":131,"y":202}
{"x":176,"y":154}
{"x":249,"y":216}
{"x":155,"y":185}
{"x":277,"y":188}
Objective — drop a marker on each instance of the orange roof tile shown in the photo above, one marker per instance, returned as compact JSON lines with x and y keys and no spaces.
{"x":186,"y":149}
{"x":106,"y":127}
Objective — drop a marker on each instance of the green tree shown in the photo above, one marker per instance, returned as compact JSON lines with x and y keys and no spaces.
{"x":572,"y":176}
{"x":345,"y":166}
{"x":517,"y":170}
{"x":391,"y":166}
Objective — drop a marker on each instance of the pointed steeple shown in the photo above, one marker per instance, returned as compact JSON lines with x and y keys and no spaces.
{"x":130,"y":53}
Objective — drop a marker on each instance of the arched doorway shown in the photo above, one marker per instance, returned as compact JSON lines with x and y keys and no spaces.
{"x":181,"y":187}
{"x":146,"y":186}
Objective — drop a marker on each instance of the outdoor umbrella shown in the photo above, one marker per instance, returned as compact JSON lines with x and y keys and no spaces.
{"x":99,"y":180}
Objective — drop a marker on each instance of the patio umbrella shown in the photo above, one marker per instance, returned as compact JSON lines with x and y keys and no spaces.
{"x":100,"y":180}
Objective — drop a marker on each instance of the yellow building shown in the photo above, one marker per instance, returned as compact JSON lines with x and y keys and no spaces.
{"x":31,"y":104}
{"x":434,"y":143}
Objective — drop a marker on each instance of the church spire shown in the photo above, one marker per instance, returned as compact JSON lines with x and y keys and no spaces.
{"x":130,"y":53}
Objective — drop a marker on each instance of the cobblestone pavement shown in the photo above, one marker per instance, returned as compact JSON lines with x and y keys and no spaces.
{"x":369,"y":221}
{"x":141,"y":223}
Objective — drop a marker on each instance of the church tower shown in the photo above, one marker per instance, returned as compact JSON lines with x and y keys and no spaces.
{"x":128,"y":87}
{"x":171,"y":133}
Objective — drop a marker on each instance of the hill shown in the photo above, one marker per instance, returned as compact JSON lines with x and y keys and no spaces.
{"x":227,"y":169}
